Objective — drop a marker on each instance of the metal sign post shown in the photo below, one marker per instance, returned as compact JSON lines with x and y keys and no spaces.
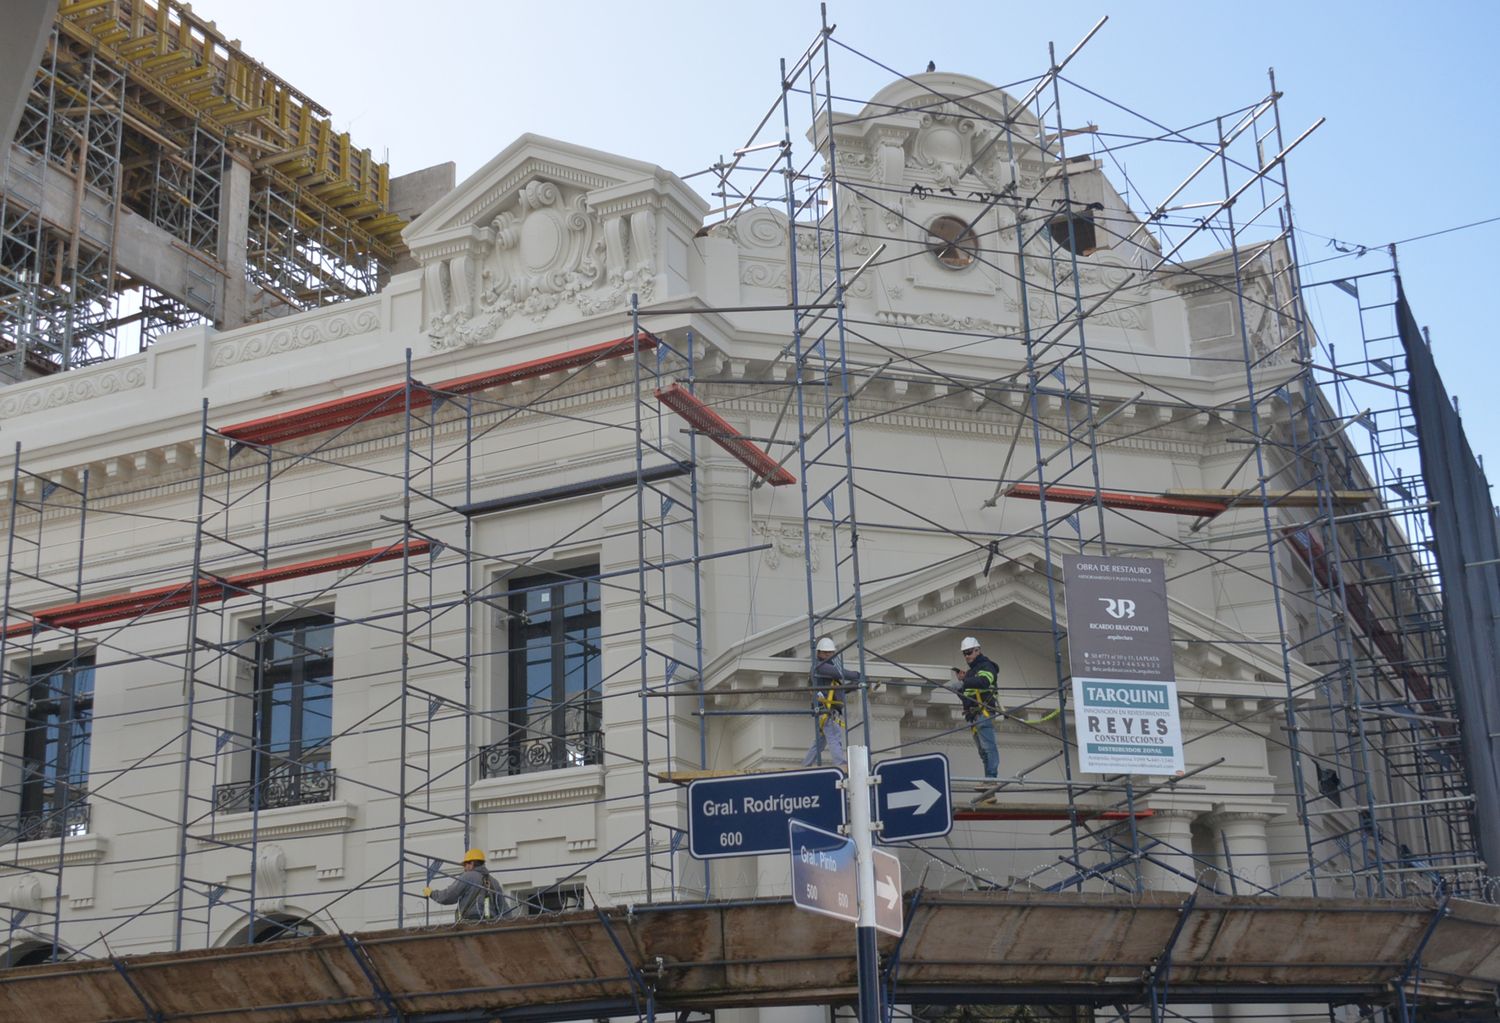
{"x":859,"y":830}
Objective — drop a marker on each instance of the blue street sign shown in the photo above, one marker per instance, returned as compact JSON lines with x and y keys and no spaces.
{"x":911,"y":798}
{"x":747,"y":815}
{"x":824,"y":878}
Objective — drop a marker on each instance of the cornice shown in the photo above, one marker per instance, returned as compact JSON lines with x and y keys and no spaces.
{"x":1239,"y":813}
{"x":1185,"y":438}
{"x":175,"y":464}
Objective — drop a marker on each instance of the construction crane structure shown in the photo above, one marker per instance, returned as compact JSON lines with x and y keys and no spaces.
{"x":507,"y":553}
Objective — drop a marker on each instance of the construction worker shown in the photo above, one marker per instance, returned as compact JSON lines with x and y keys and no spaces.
{"x":476,"y":891}
{"x":978,"y":689}
{"x":828,"y":704}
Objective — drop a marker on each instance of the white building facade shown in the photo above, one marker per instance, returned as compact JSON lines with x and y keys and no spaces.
{"x":505,"y":650}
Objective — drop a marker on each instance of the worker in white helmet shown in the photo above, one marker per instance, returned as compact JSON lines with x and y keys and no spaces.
{"x":829,"y":676}
{"x":978,"y":689}
{"x":475,"y":891}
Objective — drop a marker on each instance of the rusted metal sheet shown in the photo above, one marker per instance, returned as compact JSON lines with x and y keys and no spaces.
{"x":758,"y":950}
{"x":312,"y":980}
{"x":568,"y":959}
{"x":972,"y":947}
{"x":1463,"y":946}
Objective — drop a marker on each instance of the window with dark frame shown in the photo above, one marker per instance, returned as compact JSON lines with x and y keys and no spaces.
{"x":55,"y":750}
{"x":554,"y":716}
{"x":556,"y":898}
{"x":290,"y":762}
{"x":1075,"y":232}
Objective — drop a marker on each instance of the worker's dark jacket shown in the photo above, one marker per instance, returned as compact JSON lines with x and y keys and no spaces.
{"x":477,"y":894}
{"x":979,"y":688}
{"x":832,"y":698}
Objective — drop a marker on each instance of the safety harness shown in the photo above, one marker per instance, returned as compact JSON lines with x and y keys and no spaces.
{"x":828,"y":704}
{"x":986,"y":698}
{"x":487,"y":894}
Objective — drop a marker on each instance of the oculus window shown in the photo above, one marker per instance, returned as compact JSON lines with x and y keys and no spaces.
{"x":953,"y":242}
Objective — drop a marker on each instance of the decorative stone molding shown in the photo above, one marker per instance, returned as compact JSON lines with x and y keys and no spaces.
{"x":531,"y":168}
{"x":270,"y":877}
{"x":944,"y":321}
{"x":26,"y":894}
{"x":551,"y":245}
{"x":786,"y":541}
{"x":309,"y":819}
{"x":42,"y":854}
{"x":756,"y":228}
{"x":258,"y":344}
{"x":76,"y":386}
{"x":944,"y":146}
{"x":544,"y":226}
{"x":1170,"y":817}
{"x":542,"y":788}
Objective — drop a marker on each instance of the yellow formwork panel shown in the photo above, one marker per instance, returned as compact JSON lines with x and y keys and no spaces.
{"x":186,"y":77}
{"x":188,"y":69}
{"x":240,"y":116}
{"x":76,"y":8}
{"x":165,"y":61}
{"x":137,"y":46}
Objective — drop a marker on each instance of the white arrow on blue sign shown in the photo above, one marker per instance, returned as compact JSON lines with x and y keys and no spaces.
{"x":911,"y":798}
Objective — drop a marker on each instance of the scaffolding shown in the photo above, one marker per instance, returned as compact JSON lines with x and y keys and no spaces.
{"x":143,"y":109}
{"x":478,"y":635}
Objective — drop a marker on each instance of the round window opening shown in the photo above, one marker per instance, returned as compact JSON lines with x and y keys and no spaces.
{"x":953,"y":242}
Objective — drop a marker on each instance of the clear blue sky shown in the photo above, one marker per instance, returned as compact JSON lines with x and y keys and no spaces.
{"x":1409,"y":146}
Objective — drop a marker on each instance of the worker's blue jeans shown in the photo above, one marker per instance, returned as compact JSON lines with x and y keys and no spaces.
{"x":984,"y":739}
{"x":831,"y":735}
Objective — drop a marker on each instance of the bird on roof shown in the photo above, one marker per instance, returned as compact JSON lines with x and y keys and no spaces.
{"x":932,"y":65}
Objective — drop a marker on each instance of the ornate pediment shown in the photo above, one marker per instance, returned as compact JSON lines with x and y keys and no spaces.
{"x":546,"y":230}
{"x":939,"y":130}
{"x":903,"y":617}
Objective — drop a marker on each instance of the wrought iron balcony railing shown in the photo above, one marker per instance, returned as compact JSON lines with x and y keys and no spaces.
{"x":42,"y":824}
{"x":526,"y":753}
{"x":291,"y":785}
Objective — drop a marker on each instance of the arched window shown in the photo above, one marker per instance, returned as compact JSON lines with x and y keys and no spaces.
{"x":28,"y":953}
{"x":275,"y":927}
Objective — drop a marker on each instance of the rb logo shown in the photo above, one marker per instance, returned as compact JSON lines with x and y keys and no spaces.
{"x":1118,"y":608}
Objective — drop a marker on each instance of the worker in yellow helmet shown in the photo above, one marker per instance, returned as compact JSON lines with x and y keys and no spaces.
{"x":475,"y":891}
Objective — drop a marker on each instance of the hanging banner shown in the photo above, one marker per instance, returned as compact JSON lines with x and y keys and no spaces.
{"x":1125,"y":716}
